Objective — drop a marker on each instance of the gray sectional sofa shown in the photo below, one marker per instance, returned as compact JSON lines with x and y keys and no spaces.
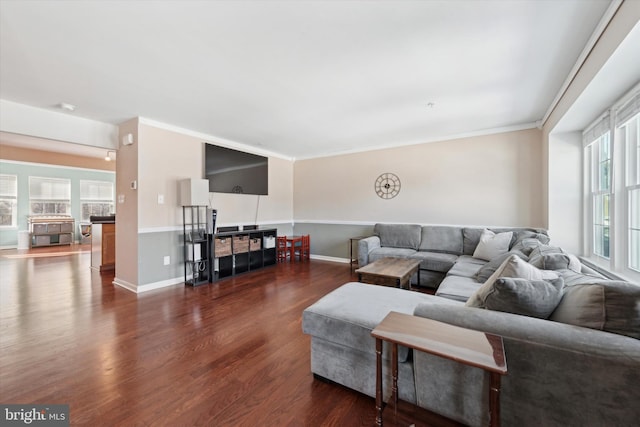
{"x":571,"y":336}
{"x":442,"y":250}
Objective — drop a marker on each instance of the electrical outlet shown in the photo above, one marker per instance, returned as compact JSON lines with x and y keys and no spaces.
{"x":167,"y":260}
{"x":160,"y":199}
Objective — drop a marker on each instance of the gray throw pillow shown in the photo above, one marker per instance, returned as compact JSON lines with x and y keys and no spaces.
{"x":534,"y":298}
{"x":526,"y":246}
{"x":515,"y":267}
{"x":554,"y":258}
{"x":607,"y":305}
{"x":530,"y":234}
{"x":489,"y":268}
{"x":492,"y":245}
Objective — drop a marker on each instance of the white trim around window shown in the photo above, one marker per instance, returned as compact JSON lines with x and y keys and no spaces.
{"x":612,"y":188}
{"x":8,"y":201}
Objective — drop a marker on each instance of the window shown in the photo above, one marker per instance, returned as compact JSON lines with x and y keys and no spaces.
{"x":612,"y":157}
{"x":96,"y":198}
{"x":601,"y":188}
{"x":8,"y":200}
{"x":49,"y":196}
{"x":630,"y":136}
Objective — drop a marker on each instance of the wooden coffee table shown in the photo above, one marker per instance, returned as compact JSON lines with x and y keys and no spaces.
{"x":466,"y":346}
{"x":390,"y":272}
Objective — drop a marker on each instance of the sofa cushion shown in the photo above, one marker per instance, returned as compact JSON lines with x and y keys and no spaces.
{"x":348,"y":314}
{"x":470,"y":239}
{"x":513,"y":266}
{"x":441,"y":239}
{"x":386,"y":252}
{"x":492,"y":244}
{"x":553,"y":258}
{"x":572,"y":278}
{"x":457,"y":288}
{"x":399,"y":235}
{"x":607,"y":305}
{"x":435,"y":261}
{"x":466,"y":266}
{"x":533,"y":298}
{"x":489,"y":268}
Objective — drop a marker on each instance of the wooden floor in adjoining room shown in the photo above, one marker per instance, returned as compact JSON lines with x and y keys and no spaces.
{"x":225,"y":354}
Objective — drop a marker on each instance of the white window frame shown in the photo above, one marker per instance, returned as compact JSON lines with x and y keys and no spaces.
{"x":100,"y":199}
{"x":65,"y":199}
{"x":619,"y":121}
{"x":630,"y":138}
{"x":9,"y":194}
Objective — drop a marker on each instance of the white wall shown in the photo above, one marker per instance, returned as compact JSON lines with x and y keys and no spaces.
{"x":26,"y":120}
{"x":562,"y":152}
{"x":565,"y":190}
{"x":483,"y":180}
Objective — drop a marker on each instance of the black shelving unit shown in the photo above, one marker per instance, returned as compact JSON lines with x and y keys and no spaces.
{"x":197,"y":246}
{"x":237,"y":252}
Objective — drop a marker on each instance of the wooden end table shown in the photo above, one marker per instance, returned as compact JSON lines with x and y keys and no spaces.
{"x":390,"y":272}
{"x":354,"y":261}
{"x":466,"y":346}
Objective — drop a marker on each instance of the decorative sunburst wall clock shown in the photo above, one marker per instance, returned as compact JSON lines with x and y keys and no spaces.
{"x":387,"y":185}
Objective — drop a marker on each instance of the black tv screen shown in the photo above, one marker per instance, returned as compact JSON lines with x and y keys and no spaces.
{"x":233,"y":171}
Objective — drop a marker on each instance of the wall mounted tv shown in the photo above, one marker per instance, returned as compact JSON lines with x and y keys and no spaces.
{"x":233,"y":171}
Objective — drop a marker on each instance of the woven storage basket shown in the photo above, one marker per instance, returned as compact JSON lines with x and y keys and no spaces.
{"x":222,"y":246}
{"x":240,"y":244}
{"x":255,"y":244}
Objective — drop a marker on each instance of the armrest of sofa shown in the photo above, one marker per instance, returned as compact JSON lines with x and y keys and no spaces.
{"x":365,"y":246}
{"x":554,"y":372}
{"x":542,"y":332}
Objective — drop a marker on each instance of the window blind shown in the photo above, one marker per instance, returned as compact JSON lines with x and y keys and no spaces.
{"x":597,"y":129}
{"x":8,"y":186}
{"x":96,"y":190}
{"x":49,"y":188}
{"x":628,"y":110}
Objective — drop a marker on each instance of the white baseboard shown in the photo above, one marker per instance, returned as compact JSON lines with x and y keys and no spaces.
{"x":330,"y":258}
{"x":149,"y":286}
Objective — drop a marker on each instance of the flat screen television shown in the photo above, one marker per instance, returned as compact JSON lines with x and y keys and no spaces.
{"x":233,"y":171}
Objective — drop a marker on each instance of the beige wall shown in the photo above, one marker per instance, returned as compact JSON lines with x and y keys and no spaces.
{"x":127,"y":209}
{"x":9,"y":152}
{"x":149,"y":230}
{"x":171,"y":156}
{"x":484,"y":180}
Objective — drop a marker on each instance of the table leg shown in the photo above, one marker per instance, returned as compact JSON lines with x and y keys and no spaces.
{"x":394,"y":376}
{"x":378,"y":382}
{"x":494,"y":400}
{"x":351,"y":253}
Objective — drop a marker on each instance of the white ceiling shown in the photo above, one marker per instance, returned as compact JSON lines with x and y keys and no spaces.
{"x":301,"y":79}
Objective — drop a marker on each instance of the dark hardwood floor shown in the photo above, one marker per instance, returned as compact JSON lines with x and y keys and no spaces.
{"x":224,"y":354}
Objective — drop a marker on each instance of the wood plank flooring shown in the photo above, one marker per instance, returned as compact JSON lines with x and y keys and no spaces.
{"x":226,"y":354}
